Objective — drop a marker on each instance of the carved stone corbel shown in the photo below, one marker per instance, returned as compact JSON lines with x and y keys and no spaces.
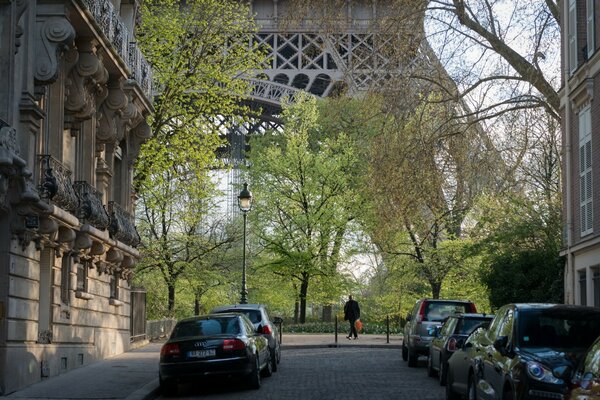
{"x":87,"y":76}
{"x":110,"y":112}
{"x":54,"y":34}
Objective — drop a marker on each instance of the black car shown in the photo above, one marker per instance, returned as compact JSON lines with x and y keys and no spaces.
{"x":451,"y":336}
{"x":213,"y":345}
{"x":524,"y":354}
{"x":257,"y":313}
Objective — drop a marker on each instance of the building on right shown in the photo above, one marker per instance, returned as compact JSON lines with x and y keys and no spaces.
{"x":580,"y":112}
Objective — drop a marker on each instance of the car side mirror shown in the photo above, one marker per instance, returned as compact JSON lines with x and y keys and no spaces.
{"x":461,"y":343}
{"x":278,"y":320}
{"x":500,"y":344}
{"x":408,"y":317}
{"x":563,"y":372}
{"x":432,"y":330}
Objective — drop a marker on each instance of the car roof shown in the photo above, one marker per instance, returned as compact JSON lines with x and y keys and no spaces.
{"x":445,"y":301}
{"x":558,"y":307}
{"x":210,"y":316}
{"x":238,"y":307}
{"x":472,"y":315}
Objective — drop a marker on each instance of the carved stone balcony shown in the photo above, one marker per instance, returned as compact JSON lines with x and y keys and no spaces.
{"x":115,"y":30}
{"x":55,"y":184}
{"x":122,"y":225}
{"x":90,"y":208}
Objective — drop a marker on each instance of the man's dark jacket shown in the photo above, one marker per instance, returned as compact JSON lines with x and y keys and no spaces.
{"x":351,"y":310}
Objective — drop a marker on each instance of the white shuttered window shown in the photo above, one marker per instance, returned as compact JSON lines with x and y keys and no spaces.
{"x":585,"y":172}
{"x":572,"y":35}
{"x":591,"y":29}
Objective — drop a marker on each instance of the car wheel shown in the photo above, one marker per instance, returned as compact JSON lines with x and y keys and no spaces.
{"x":450,"y":394}
{"x":274,"y":360}
{"x":268,"y":369}
{"x":404,"y":353}
{"x":508,"y":394}
{"x":168,"y":387}
{"x":430,"y":370}
{"x":254,"y":377}
{"x":442,"y":373}
{"x":412,"y":359}
{"x":471,"y":388}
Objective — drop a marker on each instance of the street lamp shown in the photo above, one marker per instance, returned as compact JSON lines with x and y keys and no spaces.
{"x":245,"y":204}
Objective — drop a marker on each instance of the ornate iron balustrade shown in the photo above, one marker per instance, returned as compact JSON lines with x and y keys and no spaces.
{"x":55,"y":184}
{"x":122,"y":40}
{"x":122,"y":225}
{"x":90,"y":208}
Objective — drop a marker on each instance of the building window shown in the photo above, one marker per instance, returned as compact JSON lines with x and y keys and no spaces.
{"x":585,"y":172}
{"x":582,"y":288}
{"x":114,"y":287}
{"x":596,"y":282}
{"x":591,"y":29}
{"x":65,"y":279}
{"x":572,"y":35}
{"x":82,"y":276}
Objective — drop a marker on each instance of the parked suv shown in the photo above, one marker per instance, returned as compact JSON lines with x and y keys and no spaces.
{"x":257,"y":313}
{"x":425,"y":314}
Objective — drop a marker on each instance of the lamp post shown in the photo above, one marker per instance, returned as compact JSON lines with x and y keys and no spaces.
{"x":245,"y":204}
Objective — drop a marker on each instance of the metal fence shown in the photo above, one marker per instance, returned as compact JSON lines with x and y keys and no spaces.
{"x":138,"y":314}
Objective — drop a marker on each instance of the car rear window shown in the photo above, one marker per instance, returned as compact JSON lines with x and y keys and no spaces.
{"x":206,"y":327}
{"x":466,"y":325}
{"x":439,"y":311}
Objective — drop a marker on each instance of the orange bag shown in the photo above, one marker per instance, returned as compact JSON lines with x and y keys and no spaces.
{"x":358,"y":325}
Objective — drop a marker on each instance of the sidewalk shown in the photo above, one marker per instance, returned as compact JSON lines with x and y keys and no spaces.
{"x":134,"y":375}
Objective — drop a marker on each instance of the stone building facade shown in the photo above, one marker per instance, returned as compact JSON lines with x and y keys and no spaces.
{"x":579,"y":94}
{"x":75,"y":92}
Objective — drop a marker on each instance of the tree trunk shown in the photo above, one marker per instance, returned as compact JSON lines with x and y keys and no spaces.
{"x":196,"y":305}
{"x":436,"y":288}
{"x":303,"y":293}
{"x":296,"y":310}
{"x":171,"y":289}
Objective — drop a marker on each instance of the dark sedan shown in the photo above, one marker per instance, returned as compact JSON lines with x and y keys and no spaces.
{"x":524,"y":354}
{"x":225,"y":345}
{"x":450,"y":337}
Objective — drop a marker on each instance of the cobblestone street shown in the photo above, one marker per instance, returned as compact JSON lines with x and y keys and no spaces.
{"x":332,"y":374}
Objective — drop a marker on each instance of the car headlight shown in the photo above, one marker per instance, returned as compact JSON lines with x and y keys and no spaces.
{"x":540,"y":373}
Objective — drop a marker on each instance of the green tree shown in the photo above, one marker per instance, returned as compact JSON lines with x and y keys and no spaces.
{"x":303,"y":200}
{"x":199,"y":51}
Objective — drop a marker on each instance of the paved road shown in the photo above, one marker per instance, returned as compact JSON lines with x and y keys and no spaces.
{"x":332,"y":374}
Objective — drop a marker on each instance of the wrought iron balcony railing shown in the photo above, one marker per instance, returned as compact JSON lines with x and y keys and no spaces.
{"x":122,"y":40}
{"x":90,"y":208}
{"x":122,"y":225}
{"x":55,"y":184}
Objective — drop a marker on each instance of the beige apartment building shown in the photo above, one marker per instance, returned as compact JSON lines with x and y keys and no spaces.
{"x":75,"y":92}
{"x":580,"y":102}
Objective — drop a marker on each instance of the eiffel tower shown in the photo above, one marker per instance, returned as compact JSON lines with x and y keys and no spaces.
{"x":323,"y":48}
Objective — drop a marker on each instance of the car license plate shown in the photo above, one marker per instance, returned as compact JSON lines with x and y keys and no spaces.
{"x":202,"y":353}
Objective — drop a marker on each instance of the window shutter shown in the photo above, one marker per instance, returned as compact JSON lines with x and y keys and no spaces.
{"x":572,"y":34}
{"x":591,"y":34}
{"x":586,"y":218}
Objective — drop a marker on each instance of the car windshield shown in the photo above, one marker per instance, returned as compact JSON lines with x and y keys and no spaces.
{"x":207,"y":327}
{"x":557,"y":328}
{"x":438,"y":311}
{"x":466,"y":325}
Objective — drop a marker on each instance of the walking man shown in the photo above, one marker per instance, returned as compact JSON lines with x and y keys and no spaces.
{"x":351,"y":313}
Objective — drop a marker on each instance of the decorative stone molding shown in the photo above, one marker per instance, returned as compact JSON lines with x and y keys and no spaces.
{"x":86,"y":79}
{"x":45,"y":337}
{"x":111,"y":109}
{"x":583,"y":94}
{"x":55,"y":34}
